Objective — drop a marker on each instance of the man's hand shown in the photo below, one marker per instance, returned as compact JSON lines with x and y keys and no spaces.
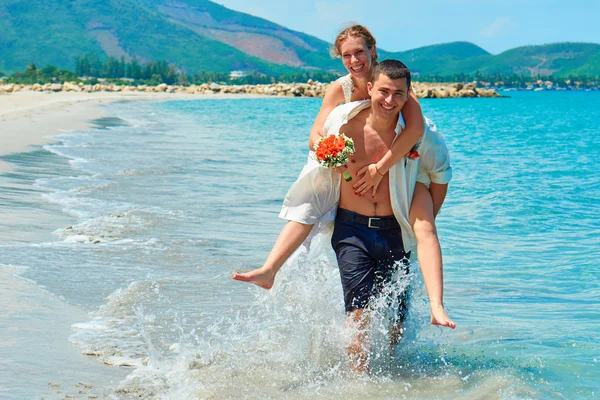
{"x":368,"y":177}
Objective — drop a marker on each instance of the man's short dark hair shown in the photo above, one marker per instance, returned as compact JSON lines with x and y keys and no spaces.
{"x":393,"y":69}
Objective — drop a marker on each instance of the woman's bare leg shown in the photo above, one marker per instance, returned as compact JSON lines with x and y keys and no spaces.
{"x":430,"y":253}
{"x":291,"y":237}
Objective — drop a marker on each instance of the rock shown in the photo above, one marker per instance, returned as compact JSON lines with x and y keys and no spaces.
{"x":9,"y":88}
{"x":467,"y":93}
{"x":71,"y":87}
{"x":56,"y":87}
{"x":309,"y":89}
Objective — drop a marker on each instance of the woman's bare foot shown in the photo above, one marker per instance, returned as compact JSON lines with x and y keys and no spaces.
{"x":439,"y":317}
{"x":260,"y":277}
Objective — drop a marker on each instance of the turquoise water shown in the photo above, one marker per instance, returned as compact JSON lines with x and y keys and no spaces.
{"x":142,"y":223}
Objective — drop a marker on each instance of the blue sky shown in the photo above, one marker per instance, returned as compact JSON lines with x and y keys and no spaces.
{"x":402,"y":25}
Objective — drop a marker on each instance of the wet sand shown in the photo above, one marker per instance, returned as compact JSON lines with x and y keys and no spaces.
{"x":27,"y":117}
{"x":36,"y":356}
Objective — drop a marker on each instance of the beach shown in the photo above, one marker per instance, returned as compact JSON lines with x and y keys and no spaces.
{"x":120,"y":233}
{"x":27,"y":118}
{"x":38,"y":358}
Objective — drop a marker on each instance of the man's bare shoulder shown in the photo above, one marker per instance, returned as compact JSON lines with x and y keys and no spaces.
{"x":356,"y":125}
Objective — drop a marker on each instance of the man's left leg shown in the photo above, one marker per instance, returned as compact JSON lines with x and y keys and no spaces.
{"x":391,"y":279}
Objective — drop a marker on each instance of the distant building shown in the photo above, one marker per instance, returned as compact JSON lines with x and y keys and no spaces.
{"x":236,"y":75}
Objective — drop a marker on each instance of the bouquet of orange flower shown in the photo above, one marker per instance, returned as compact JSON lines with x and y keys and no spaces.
{"x":333,"y":151}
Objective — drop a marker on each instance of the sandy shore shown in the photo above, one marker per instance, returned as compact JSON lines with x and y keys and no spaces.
{"x":36,"y":358}
{"x":28,"y":118}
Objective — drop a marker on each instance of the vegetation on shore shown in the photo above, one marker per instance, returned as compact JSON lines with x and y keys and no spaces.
{"x":90,"y":69}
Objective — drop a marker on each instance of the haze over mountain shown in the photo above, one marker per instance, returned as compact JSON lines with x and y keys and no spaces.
{"x":199,"y":35}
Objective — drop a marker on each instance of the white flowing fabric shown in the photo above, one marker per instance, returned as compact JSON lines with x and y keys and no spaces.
{"x":315,"y":194}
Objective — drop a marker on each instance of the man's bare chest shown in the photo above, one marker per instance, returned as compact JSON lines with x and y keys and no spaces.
{"x":370,"y":145}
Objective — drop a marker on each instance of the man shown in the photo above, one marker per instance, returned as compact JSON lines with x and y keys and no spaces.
{"x":370,"y":231}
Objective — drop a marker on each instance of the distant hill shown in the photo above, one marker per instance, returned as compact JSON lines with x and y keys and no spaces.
{"x":551,"y":59}
{"x":557,"y":59}
{"x":199,"y":35}
{"x":56,"y":31}
{"x":252,"y":35}
{"x":440,"y":58}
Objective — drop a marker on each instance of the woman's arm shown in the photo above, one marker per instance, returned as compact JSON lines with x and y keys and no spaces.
{"x":333,"y":97}
{"x":370,"y":175}
{"x":438,"y":194}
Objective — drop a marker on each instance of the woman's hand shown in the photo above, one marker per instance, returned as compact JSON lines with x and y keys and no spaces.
{"x":339,"y":170}
{"x":368,"y":177}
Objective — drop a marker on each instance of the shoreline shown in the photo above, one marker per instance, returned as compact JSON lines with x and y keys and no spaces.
{"x":40,"y":327}
{"x":28,"y":118}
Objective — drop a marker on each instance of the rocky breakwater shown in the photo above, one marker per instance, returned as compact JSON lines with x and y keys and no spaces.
{"x":425,"y":90}
{"x":309,"y":89}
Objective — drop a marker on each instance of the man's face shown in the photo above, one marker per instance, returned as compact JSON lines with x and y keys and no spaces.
{"x":388,"y":95}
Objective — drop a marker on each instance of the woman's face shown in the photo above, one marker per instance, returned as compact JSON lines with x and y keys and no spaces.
{"x":357,"y":57}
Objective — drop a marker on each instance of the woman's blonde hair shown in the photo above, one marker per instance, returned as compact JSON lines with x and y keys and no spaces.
{"x":353,"y":31}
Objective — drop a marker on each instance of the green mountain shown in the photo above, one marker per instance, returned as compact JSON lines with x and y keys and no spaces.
{"x":552,"y":59}
{"x":57,"y":31}
{"x":559,"y":59}
{"x":252,"y":35}
{"x":200,"y":35}
{"x":440,"y":58}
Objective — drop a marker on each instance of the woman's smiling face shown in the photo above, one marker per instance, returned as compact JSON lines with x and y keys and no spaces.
{"x":357,"y":57}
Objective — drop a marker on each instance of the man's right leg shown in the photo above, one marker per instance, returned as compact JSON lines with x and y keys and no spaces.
{"x":357,"y":347}
{"x":350,"y":243}
{"x":430,"y":253}
{"x":291,"y":237}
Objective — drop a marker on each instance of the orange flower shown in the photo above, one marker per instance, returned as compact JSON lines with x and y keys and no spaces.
{"x":333,"y":151}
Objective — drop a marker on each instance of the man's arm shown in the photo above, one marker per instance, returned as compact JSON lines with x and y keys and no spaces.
{"x":438,"y":195}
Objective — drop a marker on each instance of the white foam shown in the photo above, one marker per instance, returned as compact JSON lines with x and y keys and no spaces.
{"x":78,"y":239}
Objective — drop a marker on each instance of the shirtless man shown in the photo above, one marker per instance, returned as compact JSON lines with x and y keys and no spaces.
{"x":367,"y":237}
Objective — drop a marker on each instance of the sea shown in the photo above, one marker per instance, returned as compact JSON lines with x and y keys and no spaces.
{"x":117,"y":246}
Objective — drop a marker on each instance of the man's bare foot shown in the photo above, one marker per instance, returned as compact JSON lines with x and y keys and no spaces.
{"x":260,"y":277}
{"x":439,"y":317}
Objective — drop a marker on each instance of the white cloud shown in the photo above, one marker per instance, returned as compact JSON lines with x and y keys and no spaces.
{"x":498,"y":28}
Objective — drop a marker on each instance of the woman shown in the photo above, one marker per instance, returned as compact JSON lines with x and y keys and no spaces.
{"x":357,"y":48}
